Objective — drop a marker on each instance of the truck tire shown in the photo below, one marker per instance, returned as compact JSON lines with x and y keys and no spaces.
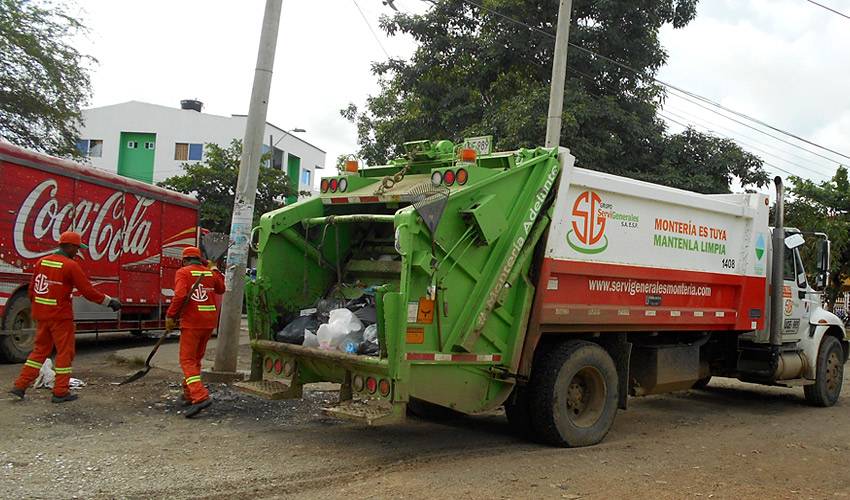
{"x":16,"y":348}
{"x":573,"y":395}
{"x":829,"y":375}
{"x":518,"y":413}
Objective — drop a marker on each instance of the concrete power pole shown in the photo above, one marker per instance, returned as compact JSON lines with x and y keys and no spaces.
{"x":559,"y":75}
{"x":246,"y":191}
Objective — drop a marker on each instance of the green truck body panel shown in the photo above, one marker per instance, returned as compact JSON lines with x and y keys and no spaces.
{"x":461,"y":350}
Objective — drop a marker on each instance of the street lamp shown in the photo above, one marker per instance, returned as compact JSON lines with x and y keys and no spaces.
{"x":296,"y":130}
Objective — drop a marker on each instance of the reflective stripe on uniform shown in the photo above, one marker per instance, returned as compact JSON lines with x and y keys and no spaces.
{"x":45,"y":301}
{"x":33,"y":364}
{"x":52,"y":263}
{"x":192,"y":380}
{"x":210,"y":308}
{"x":63,"y":371}
{"x":201,"y":273}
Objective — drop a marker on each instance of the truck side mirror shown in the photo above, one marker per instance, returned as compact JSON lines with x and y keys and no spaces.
{"x":822,"y":278}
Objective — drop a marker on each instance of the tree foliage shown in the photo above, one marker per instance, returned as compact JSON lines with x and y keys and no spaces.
{"x":476,"y":73}
{"x":213,"y":182}
{"x":824,"y":207}
{"x":44,"y":81}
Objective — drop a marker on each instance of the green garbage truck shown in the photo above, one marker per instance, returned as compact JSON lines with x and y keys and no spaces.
{"x":514,"y":279}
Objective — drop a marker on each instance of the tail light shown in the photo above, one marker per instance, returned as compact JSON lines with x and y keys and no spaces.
{"x":437,"y":178}
{"x":324,"y":185}
{"x":278,"y":366}
{"x":357,"y":383}
{"x":334,"y":184}
{"x":468,"y":155}
{"x":371,"y":385}
{"x":343,"y":185}
{"x":269,"y":364}
{"x":462,"y":177}
{"x":351,"y":165}
{"x":449,"y":177}
{"x":288,"y":368}
{"x":384,"y":387}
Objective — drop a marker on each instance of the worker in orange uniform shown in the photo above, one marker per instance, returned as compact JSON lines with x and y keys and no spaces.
{"x":53,"y":280}
{"x":198,"y":318}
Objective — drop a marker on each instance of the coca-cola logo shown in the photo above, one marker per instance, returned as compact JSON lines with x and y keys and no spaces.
{"x":102,"y":225}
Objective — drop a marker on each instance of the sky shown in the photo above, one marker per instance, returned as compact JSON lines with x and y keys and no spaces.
{"x":782,"y":61}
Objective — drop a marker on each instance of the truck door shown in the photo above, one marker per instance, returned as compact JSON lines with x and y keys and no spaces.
{"x":796,"y":307}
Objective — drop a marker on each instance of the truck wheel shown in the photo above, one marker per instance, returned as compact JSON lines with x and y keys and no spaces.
{"x":701,"y":383}
{"x":16,"y":348}
{"x":518,"y":413}
{"x":574,"y":394}
{"x":829,"y":376}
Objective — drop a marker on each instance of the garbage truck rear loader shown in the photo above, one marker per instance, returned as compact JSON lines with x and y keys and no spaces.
{"x":515,"y":279}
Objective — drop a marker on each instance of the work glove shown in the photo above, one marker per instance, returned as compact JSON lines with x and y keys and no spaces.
{"x":114,"y":304}
{"x":170,"y":324}
{"x":212,"y":266}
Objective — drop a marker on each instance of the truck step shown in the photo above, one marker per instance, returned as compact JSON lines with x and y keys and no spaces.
{"x":368,"y":412}
{"x":270,"y":389}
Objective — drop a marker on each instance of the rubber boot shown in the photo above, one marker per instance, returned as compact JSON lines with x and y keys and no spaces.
{"x":196,"y":408}
{"x":65,"y":398}
{"x":18,"y":393}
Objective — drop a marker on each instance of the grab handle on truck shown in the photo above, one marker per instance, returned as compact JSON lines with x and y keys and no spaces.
{"x":777,"y":272}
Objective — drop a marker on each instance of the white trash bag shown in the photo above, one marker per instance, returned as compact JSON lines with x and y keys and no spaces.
{"x":341,"y":322}
{"x":47,"y":377}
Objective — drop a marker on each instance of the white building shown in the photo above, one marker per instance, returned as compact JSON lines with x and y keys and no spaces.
{"x":150,"y":142}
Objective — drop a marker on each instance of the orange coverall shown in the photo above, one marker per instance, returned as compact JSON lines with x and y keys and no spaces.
{"x":54,"y":279}
{"x":198,"y":318}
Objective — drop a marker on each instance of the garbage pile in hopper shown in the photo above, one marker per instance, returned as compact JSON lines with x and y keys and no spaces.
{"x":346,"y":325}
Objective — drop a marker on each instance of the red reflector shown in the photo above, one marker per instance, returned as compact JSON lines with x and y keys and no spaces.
{"x":449,"y":177}
{"x":369,"y":199}
{"x":278,"y":366}
{"x":462,"y":177}
{"x":334,"y":184}
{"x":339,"y":200}
{"x":324,"y":185}
{"x":371,"y":385}
{"x":269,"y":364}
{"x":468,"y":155}
{"x":384,"y":387}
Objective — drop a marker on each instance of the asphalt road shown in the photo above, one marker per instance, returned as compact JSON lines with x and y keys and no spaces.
{"x":730,"y":441}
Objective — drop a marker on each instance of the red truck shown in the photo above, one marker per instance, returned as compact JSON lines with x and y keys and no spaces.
{"x":135,"y":233}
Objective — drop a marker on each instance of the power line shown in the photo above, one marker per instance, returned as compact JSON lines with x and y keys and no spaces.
{"x":660,"y":82}
{"x":593,"y":80}
{"x":369,"y":25}
{"x":828,"y":8}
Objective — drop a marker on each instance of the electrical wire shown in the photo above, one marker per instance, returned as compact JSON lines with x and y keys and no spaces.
{"x":662,"y":83}
{"x":829,"y":9}
{"x":369,"y":25}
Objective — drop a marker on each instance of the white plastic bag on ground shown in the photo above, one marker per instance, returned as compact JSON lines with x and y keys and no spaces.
{"x":46,"y":375}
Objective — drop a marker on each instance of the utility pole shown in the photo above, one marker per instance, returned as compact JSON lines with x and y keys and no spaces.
{"x":246,"y":192}
{"x":559,"y":75}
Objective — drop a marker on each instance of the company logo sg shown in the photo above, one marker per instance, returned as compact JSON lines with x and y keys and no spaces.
{"x":588,"y":233}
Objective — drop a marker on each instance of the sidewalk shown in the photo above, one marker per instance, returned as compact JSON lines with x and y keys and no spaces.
{"x":167,"y":357}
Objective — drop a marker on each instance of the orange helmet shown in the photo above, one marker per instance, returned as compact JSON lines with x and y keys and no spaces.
{"x":190,"y":252}
{"x":71,"y":238}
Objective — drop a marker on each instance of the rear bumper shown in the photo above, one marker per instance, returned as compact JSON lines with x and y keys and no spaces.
{"x":317,"y":358}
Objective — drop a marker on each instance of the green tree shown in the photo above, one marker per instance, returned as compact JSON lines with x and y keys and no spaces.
{"x":476,"y":73}
{"x":824,"y":207}
{"x":213,"y":182}
{"x":44,"y":81}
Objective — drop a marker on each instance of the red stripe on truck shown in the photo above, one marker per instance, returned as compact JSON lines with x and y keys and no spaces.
{"x":616,"y":295}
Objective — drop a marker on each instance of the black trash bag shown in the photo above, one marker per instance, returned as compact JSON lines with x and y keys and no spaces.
{"x":293,"y":333}
{"x":367,"y":315}
{"x":369,"y":346}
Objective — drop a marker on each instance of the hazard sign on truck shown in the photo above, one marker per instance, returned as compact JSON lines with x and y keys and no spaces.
{"x":135,"y":233}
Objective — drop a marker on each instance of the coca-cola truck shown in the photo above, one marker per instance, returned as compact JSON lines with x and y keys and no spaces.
{"x":135,"y":233}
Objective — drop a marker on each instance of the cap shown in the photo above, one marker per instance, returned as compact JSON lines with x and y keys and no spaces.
{"x":190,"y":252}
{"x":71,"y":238}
